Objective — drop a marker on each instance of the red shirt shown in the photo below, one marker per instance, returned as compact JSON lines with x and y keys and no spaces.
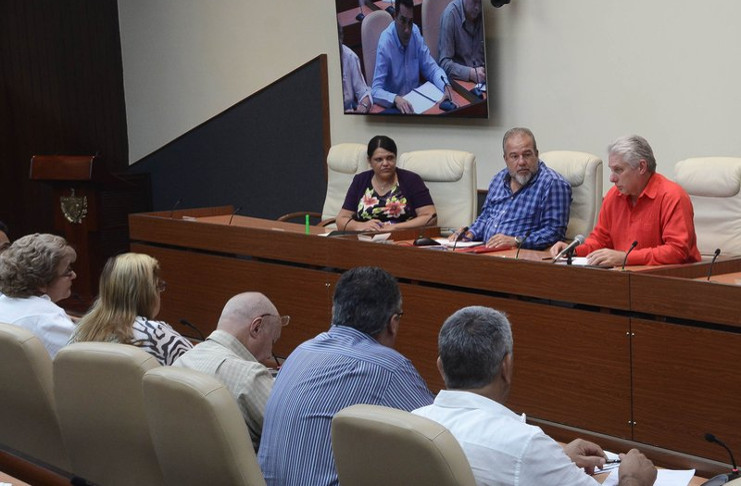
{"x":662,"y":221}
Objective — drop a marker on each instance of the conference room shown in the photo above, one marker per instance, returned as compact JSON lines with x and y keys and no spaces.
{"x":198,"y":126}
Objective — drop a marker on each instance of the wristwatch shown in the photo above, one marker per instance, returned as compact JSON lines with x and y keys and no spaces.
{"x":518,"y":241}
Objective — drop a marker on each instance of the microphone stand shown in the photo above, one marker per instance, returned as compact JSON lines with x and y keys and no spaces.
{"x":715,"y":257}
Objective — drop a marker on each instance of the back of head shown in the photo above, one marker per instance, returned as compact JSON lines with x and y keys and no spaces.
{"x":31,"y":263}
{"x":127,"y":289}
{"x":365,"y":298}
{"x":381,"y":141}
{"x":472,"y":344}
{"x":633,"y":148}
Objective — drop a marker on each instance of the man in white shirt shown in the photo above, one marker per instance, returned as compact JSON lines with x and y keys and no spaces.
{"x":475,"y":347}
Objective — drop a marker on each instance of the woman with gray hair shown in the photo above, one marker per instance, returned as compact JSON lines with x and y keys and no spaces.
{"x":35,"y":273}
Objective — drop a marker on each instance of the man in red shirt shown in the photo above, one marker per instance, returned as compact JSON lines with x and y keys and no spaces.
{"x":643,"y":207}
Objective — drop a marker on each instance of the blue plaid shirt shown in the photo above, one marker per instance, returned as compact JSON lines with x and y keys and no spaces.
{"x":540,"y":208}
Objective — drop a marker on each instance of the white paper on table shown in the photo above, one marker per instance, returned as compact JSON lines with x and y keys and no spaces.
{"x":423,"y":97}
{"x":665,"y":477}
{"x":376,"y":238}
{"x":460,"y":244}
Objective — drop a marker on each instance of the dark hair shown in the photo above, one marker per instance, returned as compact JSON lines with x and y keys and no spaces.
{"x":381,"y":141}
{"x":3,"y":227}
{"x":365,"y":298}
{"x":406,"y":3}
{"x":472,"y":345}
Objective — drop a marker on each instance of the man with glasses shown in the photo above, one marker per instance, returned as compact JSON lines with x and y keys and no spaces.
{"x":353,"y":362}
{"x":247,"y":329}
{"x":401,"y":56}
{"x":528,"y":203}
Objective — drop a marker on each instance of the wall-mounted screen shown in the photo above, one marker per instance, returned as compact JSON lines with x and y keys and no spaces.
{"x":413,"y":57}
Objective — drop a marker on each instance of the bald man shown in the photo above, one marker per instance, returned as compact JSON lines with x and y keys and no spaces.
{"x":248,"y":327}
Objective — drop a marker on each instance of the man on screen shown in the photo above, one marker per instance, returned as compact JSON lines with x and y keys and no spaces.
{"x":402,"y":54}
{"x":643,"y":207}
{"x":461,"y":42}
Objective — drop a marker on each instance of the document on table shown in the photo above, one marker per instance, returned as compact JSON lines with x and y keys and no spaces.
{"x":460,"y":244}
{"x":665,"y":477}
{"x":424,"y":97}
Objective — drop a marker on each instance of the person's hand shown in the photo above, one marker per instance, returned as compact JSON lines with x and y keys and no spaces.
{"x":501,"y":241}
{"x":606,"y":257}
{"x":363,"y":106}
{"x":636,"y":469}
{"x":457,"y":233}
{"x":585,"y":454}
{"x":403,"y":105}
{"x":371,"y":225}
{"x":557,"y":248}
{"x":477,"y":74}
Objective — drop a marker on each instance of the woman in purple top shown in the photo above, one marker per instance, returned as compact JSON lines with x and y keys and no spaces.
{"x":385,"y":195}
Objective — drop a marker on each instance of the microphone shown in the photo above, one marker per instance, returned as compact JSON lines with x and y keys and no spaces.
{"x":499,"y":3}
{"x":722,"y":478}
{"x":715,"y":257}
{"x":239,"y":208}
{"x":460,"y":235}
{"x":625,"y":260}
{"x":423,"y":240}
{"x":527,"y":235}
{"x":447,"y":105}
{"x":476,"y":91}
{"x":578,"y":240}
{"x":187,"y":323}
{"x":175,"y":206}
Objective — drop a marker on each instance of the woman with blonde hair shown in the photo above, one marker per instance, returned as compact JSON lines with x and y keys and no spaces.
{"x":127,"y":303}
{"x":35,"y":273}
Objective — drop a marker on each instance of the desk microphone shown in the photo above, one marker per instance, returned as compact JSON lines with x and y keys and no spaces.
{"x":476,"y":91}
{"x":578,"y":240}
{"x":722,"y":478}
{"x":715,"y":257}
{"x":423,"y":240}
{"x":625,"y":260}
{"x":187,"y":323}
{"x":522,"y":243}
{"x":175,"y":206}
{"x":447,"y":105}
{"x":460,"y":236}
{"x":239,"y":208}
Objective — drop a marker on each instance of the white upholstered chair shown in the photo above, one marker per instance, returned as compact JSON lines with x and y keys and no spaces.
{"x":584,"y":172}
{"x":98,"y":389}
{"x":197,"y":430}
{"x":714,"y":185}
{"x":450,"y":176}
{"x":412,"y":450}
{"x":28,"y":415}
{"x":370,"y":30}
{"x":432,"y":11}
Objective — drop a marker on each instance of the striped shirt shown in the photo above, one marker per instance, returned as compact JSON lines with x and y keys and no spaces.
{"x":336,"y":369}
{"x":540,"y":208}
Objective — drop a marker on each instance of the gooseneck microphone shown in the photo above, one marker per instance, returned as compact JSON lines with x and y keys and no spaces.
{"x":460,"y":236}
{"x":239,"y":208}
{"x":715,"y":257}
{"x":447,"y":105}
{"x":522,"y":243}
{"x":578,"y":240}
{"x":722,"y":478}
{"x":175,"y":206}
{"x":476,"y":91}
{"x":423,"y":240}
{"x":187,"y":323}
{"x":625,"y":260}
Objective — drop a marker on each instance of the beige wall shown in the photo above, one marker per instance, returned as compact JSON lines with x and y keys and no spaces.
{"x":578,"y":72}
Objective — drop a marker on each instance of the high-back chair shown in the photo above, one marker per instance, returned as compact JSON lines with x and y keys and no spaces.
{"x":28,"y":416}
{"x":198,"y":431}
{"x":432,"y":11}
{"x":714,"y":185}
{"x":450,"y":175}
{"x":584,"y":172}
{"x":375,"y":445}
{"x":98,"y":388}
{"x":370,"y":30}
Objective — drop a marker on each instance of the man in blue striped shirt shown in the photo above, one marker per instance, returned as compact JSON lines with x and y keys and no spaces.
{"x":527,"y":204}
{"x":353,"y":362}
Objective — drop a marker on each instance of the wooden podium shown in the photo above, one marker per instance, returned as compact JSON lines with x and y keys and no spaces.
{"x":91,"y":207}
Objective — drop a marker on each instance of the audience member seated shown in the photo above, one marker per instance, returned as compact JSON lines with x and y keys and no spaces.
{"x":35,"y":273}
{"x":402,"y":55}
{"x":528,"y":204}
{"x":476,"y":363}
{"x":461,"y":41}
{"x":643,"y":207}
{"x":355,"y":91}
{"x":4,"y":239}
{"x":353,"y":362}
{"x":385,"y":196}
{"x":128,"y":301}
{"x":244,"y":337}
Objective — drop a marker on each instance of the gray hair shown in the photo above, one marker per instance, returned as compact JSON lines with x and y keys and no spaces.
{"x":518,"y":131}
{"x":633,"y":148}
{"x":31,"y":263}
{"x":472,"y":344}
{"x":365,"y":298}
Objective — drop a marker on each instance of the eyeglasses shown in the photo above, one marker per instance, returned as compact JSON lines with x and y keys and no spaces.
{"x":284,"y":320}
{"x":161,"y":286}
